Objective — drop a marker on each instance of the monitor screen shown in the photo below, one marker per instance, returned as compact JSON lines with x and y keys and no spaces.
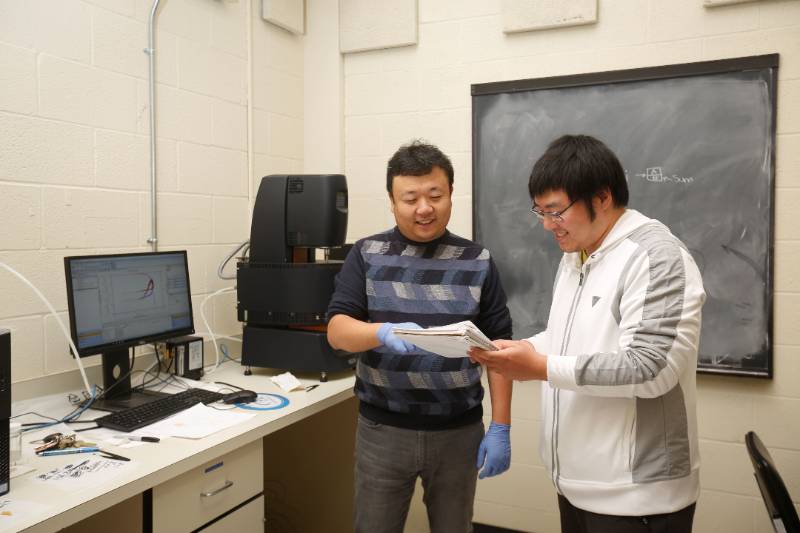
{"x":117,"y":301}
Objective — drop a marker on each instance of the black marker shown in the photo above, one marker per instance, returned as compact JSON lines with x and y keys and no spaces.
{"x":143,"y":439}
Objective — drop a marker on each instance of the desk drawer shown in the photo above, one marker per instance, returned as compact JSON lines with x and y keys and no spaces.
{"x":200,"y":495}
{"x":247,"y":519}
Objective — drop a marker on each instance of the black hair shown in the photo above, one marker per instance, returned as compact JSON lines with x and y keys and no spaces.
{"x":581,"y":166}
{"x":417,"y":158}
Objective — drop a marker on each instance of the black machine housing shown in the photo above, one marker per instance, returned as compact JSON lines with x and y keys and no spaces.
{"x":5,"y":410}
{"x":282,"y":291}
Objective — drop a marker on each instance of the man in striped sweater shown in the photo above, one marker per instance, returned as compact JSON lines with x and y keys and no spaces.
{"x":420,"y":413}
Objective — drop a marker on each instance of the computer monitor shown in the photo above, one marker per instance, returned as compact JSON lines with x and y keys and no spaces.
{"x":120,"y":301}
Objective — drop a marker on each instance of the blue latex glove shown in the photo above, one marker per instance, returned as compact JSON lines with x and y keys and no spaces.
{"x":391,"y":341}
{"x":494,"y":454}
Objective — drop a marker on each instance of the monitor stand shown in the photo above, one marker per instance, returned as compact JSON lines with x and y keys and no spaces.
{"x":117,"y":381}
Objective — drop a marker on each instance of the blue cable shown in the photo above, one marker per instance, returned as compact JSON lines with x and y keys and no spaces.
{"x":225,"y":354}
{"x":224,"y":349}
{"x":68,"y":418}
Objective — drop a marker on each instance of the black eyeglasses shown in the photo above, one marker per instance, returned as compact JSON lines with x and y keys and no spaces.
{"x":554,"y":216}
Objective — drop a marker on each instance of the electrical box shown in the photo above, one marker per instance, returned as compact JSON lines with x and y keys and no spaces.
{"x":187,"y":356}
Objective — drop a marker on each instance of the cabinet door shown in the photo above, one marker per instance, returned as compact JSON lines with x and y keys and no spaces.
{"x":246,"y":519}
{"x":126,"y":517}
{"x":308,"y":472}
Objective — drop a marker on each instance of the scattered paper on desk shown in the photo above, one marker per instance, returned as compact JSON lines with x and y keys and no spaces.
{"x":452,"y":340}
{"x":286,"y":381}
{"x":82,"y":472}
{"x":13,"y":511}
{"x":197,"y":422}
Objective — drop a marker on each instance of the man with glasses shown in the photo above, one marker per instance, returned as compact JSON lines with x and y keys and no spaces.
{"x":619,"y":354}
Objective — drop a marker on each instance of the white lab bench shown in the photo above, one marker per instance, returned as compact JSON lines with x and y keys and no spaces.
{"x":168,"y":486}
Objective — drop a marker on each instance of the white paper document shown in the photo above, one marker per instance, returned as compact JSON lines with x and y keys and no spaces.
{"x":196,"y":422}
{"x":452,"y":340}
{"x":82,"y":473}
{"x":287,"y":382}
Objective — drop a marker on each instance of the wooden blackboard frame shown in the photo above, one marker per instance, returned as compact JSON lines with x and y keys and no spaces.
{"x":757,"y":364}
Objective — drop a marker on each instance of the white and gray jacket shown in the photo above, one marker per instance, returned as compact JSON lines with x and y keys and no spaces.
{"x":619,"y":429}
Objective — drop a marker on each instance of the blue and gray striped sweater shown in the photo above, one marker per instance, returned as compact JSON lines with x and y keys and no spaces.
{"x":388,"y":278}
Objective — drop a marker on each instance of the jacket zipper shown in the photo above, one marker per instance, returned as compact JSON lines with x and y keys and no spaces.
{"x":555,"y":468}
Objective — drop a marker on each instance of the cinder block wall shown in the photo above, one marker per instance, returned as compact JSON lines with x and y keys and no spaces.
{"x":74,"y":174}
{"x":393,"y":95}
{"x":74,"y":146}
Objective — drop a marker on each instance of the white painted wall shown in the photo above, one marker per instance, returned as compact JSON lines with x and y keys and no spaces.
{"x":396,"y":94}
{"x":74,"y":168}
{"x":74,"y":160}
{"x":323,"y":103}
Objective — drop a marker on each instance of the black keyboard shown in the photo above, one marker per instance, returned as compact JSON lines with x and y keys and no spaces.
{"x":145,"y":414}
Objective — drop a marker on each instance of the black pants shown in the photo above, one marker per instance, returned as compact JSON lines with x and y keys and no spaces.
{"x":574,"y":520}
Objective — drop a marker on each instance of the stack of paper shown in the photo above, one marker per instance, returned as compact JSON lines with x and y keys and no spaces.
{"x":452,"y":340}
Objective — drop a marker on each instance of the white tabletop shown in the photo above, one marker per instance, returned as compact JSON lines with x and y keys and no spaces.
{"x":152,"y":464}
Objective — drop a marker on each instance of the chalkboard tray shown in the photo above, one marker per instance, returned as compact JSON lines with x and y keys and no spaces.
{"x":697,"y":144}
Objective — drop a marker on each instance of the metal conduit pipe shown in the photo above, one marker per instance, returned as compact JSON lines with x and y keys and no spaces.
{"x":151,"y":53}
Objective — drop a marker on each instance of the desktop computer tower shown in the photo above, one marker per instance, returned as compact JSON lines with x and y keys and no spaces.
{"x":5,"y":408}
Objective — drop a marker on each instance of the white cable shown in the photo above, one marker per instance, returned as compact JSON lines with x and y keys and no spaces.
{"x":205,"y":321}
{"x":58,"y":319}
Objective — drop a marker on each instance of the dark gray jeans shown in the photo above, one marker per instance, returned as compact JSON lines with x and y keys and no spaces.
{"x":389,"y":459}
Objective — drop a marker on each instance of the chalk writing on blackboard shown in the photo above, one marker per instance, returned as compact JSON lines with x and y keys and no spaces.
{"x":657,"y":175}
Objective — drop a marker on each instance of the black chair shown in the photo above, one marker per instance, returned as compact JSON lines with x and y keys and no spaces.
{"x":779,"y":504}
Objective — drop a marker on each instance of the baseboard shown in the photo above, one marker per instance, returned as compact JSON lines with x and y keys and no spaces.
{"x":483,"y":528}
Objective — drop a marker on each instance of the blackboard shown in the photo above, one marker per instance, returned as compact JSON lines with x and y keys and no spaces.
{"x":697,"y":145}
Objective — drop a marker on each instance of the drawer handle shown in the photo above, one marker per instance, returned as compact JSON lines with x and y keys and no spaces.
{"x":227,"y":485}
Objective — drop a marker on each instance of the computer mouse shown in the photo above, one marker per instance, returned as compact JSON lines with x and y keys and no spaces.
{"x":240,"y":396}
